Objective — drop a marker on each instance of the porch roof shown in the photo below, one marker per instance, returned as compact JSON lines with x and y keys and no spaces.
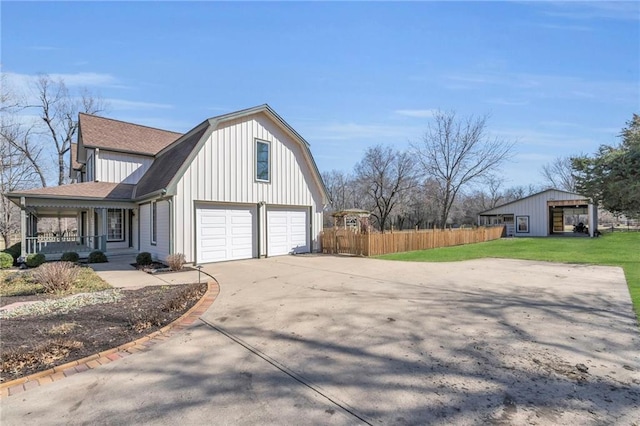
{"x":99,"y":191}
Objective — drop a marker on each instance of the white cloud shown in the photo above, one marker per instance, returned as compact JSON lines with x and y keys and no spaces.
{"x":71,"y":80}
{"x":524,"y":85}
{"x":502,"y":101}
{"x":417,"y":113}
{"x":584,"y":10}
{"x":565,"y":27}
{"x":534,"y":156}
{"x":123,"y":104}
{"x":363,"y":132}
{"x":22,"y":86}
{"x":88,"y":79}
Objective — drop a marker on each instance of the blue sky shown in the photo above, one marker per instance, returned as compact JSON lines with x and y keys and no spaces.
{"x":557,"y":78}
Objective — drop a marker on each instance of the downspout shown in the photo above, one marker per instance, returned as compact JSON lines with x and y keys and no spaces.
{"x":95,"y":164}
{"x":171,"y":225}
{"x":23,"y":228}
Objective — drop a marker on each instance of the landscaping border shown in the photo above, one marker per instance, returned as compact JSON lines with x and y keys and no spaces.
{"x":142,"y":344}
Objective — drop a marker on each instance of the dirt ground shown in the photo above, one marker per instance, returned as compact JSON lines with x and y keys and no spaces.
{"x":34,"y":343}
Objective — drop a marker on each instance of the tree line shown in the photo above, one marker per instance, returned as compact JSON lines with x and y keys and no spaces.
{"x":424,"y":185}
{"x":453,"y":173}
{"x":447,"y":177}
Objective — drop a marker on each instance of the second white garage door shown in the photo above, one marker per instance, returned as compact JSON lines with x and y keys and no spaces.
{"x":225,"y":233}
{"x":287,"y":231}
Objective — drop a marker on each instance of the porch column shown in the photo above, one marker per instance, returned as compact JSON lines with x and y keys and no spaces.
{"x":592,"y":211}
{"x":91,"y":226}
{"x":23,"y":229}
{"x":103,"y":242}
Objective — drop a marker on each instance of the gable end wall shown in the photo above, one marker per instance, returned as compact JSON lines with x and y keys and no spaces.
{"x":223,"y":171}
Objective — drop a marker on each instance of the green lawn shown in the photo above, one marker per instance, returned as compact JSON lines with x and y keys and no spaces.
{"x":617,"y":249}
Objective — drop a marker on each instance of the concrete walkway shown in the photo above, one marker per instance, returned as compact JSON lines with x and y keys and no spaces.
{"x":119,"y":273}
{"x":330,"y":340}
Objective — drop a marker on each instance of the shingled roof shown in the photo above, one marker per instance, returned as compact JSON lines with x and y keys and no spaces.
{"x":166,"y":165}
{"x":107,"y":133}
{"x":73,"y":163}
{"x":88,"y":190}
{"x":172,"y":152}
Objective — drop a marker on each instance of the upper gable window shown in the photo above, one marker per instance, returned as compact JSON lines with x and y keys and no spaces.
{"x":263,"y":160}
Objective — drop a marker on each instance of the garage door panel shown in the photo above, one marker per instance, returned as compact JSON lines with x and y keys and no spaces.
{"x":225,"y":233}
{"x":287,"y":231}
{"x":240,"y":220}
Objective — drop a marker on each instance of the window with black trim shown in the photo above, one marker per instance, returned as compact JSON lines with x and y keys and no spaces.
{"x":115,"y":225}
{"x":154,"y":222}
{"x":263,"y":155}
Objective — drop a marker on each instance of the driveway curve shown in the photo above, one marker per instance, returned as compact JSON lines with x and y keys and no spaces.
{"x":340,"y":340}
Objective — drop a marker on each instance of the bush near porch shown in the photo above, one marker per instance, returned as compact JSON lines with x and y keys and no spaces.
{"x":24,"y":283}
{"x":615,"y":249}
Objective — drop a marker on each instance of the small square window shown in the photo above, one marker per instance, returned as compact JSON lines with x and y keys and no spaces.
{"x":262,"y":161}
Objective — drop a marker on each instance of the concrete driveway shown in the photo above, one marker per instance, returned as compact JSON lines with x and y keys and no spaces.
{"x":338,"y":340}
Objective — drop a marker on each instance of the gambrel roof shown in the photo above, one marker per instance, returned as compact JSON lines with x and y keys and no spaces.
{"x":173,"y":152}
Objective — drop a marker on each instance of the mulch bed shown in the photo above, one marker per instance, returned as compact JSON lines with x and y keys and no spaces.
{"x":158,"y":268}
{"x":37,"y":342}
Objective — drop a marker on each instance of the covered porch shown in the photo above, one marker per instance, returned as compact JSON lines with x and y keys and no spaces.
{"x":107,"y":223}
{"x":111,"y":230}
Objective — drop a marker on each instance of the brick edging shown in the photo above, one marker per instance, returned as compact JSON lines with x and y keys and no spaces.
{"x":90,"y":362}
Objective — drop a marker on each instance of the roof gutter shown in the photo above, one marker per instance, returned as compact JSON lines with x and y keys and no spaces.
{"x":155,"y":194}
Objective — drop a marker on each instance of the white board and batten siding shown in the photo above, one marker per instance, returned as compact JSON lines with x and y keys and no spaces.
{"x":159,"y":250}
{"x":119,"y":167}
{"x":223,"y":172}
{"x":536,"y":208}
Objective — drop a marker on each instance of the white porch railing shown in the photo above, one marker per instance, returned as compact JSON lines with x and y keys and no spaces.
{"x":61,"y":244}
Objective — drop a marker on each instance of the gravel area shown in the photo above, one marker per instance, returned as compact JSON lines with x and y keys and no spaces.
{"x":62,"y":305}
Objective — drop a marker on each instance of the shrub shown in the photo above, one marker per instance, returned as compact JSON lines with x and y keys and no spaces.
{"x":97,"y":256}
{"x":35,"y":260}
{"x":144,"y":258}
{"x":175,"y":261}
{"x":70,"y":256}
{"x":6,"y":260}
{"x":15,"y":251}
{"x":56,"y":276}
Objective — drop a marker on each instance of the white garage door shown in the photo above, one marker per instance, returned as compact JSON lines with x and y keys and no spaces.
{"x":225,"y":233}
{"x":287,"y":231}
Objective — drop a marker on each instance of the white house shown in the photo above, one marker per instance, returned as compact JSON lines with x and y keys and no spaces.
{"x":541,"y":214}
{"x":236,"y":186}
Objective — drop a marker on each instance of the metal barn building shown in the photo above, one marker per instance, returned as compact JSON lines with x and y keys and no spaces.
{"x":542,"y":214}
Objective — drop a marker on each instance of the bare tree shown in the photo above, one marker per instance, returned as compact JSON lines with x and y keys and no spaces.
{"x":417,"y":207}
{"x":340,"y":186}
{"x":18,"y":165}
{"x":18,"y":138}
{"x":558,"y":174}
{"x":59,"y":109}
{"x":15,"y":173}
{"x":384,"y":175}
{"x":455,"y":152}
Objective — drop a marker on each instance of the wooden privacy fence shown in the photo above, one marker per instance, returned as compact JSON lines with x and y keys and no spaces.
{"x":344,"y":241}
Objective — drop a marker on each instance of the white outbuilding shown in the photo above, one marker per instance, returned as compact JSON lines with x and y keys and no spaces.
{"x":544,"y":214}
